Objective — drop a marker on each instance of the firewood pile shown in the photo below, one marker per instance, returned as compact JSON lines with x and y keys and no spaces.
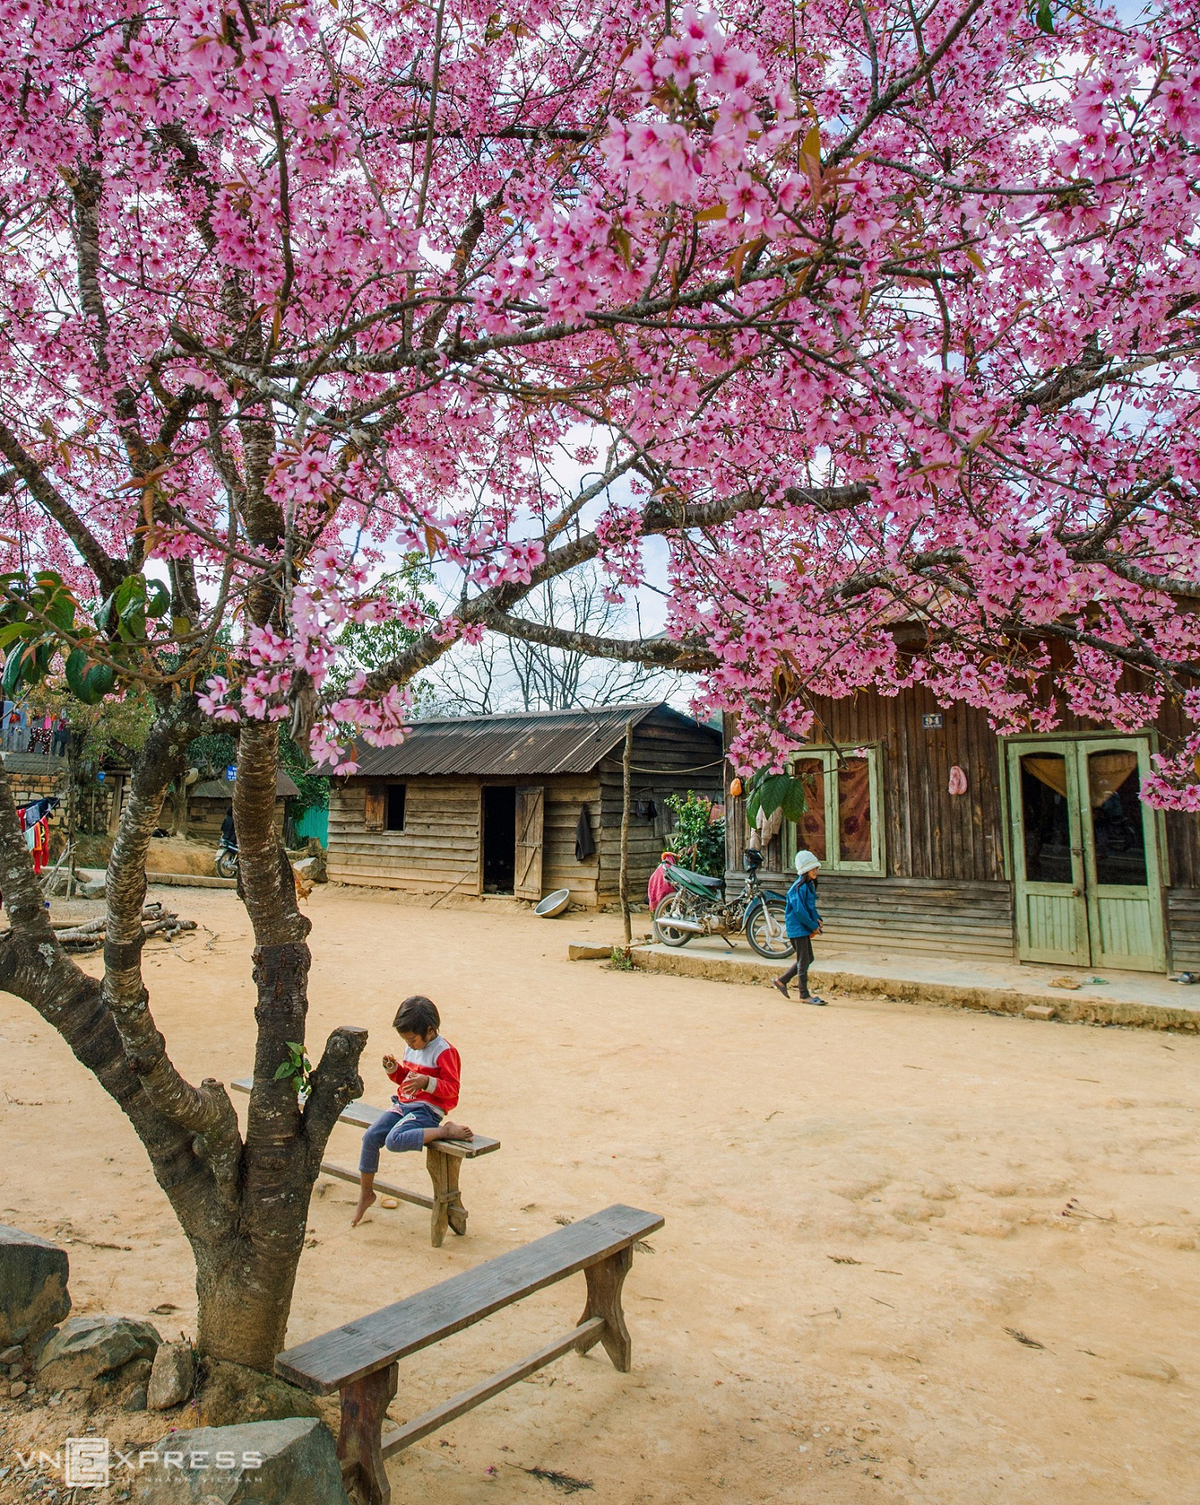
{"x":79,"y":937}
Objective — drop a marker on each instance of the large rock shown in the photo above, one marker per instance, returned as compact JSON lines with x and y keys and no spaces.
{"x":33,"y":1286}
{"x":88,"y":1350}
{"x":291,"y":1462}
{"x":173,"y":1377}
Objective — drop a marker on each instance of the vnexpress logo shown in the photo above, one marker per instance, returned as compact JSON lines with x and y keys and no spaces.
{"x":86,"y":1465}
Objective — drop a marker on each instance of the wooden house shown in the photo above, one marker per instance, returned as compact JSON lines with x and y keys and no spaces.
{"x":519,"y":804}
{"x":208,"y":800}
{"x":936,"y":835}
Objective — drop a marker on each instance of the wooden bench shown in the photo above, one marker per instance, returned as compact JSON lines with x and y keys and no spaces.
{"x":362,"y":1358}
{"x":443,"y":1159}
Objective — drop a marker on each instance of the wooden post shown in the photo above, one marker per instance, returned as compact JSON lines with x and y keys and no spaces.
{"x":626,"y":760}
{"x":604,"y":1282}
{"x":364,"y":1407}
{"x":448,"y":1211}
{"x":74,"y":739}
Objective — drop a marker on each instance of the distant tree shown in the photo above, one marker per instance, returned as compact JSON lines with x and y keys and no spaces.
{"x":508,"y":673}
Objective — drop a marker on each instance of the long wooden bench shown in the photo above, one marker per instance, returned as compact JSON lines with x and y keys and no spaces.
{"x":443,"y":1159}
{"x":362,"y":1358}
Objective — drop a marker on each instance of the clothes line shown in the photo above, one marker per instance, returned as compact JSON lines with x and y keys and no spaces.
{"x":699,"y":768}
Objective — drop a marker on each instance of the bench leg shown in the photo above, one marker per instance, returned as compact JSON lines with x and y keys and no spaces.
{"x":364,"y":1406}
{"x":448,"y":1210}
{"x":604,"y":1282}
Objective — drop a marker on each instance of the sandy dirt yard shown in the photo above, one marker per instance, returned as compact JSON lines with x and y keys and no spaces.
{"x":910,"y":1254}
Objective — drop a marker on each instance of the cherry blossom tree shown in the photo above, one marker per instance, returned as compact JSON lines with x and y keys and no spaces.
{"x":868,"y":311}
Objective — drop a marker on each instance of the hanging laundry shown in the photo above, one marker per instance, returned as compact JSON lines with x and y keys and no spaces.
{"x":41,"y":845}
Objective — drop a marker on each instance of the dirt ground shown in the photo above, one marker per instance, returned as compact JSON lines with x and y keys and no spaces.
{"x":910,"y":1254}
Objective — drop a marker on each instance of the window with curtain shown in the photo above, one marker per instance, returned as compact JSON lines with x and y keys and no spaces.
{"x":843,"y":824}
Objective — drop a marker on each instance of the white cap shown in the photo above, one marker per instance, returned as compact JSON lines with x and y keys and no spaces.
{"x":805,"y":862}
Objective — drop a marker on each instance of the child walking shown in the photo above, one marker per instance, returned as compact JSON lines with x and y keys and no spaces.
{"x":802,"y":922}
{"x":428,"y":1079}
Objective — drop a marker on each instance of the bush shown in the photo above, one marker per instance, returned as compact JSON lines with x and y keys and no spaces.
{"x":697,"y":840}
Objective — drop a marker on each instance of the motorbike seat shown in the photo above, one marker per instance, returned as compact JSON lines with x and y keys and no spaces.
{"x":688,"y":876}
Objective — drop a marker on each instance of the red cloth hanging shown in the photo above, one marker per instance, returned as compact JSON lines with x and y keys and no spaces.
{"x":41,"y":845}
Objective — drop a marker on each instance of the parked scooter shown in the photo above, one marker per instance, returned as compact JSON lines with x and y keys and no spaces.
{"x":227,"y":859}
{"x":698,"y":907}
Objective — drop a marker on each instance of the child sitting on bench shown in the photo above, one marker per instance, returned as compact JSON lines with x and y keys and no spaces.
{"x":428,"y":1079}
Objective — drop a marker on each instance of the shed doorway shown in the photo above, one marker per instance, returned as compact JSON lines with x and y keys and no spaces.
{"x":1087,"y":878}
{"x":499,"y":838}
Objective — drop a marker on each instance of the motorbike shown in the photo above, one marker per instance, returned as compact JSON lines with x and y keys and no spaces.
{"x":227,"y":860}
{"x":698,"y":906}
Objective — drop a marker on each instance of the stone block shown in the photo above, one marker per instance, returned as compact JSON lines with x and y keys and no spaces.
{"x":33,"y":1286}
{"x":173,"y":1377}
{"x":1040,"y":1011}
{"x":264,"y":1462}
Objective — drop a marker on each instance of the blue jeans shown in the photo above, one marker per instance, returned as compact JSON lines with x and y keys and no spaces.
{"x":397,"y":1129}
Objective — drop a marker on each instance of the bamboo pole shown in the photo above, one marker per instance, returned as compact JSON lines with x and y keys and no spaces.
{"x":626,"y":761}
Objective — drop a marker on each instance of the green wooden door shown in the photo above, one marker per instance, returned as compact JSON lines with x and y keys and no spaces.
{"x":1087,"y":879}
{"x":1122,"y":873}
{"x":1048,"y":871}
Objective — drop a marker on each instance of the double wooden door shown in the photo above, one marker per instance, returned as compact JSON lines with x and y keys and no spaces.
{"x":1087,"y":876}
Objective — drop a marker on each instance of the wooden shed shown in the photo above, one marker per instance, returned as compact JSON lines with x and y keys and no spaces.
{"x":208,"y":800}
{"x":519,"y":804}
{"x":937,"y":835}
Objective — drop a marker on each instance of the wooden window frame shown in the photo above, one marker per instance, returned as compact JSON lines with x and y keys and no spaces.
{"x":829,"y":757}
{"x":388,"y":828}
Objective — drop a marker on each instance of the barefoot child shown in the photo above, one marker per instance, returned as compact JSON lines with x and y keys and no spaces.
{"x":802,"y":922}
{"x":428,"y":1079}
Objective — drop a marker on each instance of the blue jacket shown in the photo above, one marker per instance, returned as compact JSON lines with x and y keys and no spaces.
{"x":801,"y":917}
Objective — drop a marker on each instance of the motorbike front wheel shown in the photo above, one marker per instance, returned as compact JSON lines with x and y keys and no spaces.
{"x":765,"y":930}
{"x":227,"y":863}
{"x":670,"y":908}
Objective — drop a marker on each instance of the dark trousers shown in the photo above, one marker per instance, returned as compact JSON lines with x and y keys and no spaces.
{"x":802,"y":946}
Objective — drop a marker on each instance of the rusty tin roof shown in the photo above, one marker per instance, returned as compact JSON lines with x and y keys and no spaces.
{"x":515,"y":745}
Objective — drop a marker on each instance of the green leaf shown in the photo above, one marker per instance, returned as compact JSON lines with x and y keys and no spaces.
{"x":160,"y":599}
{"x":14,"y":630}
{"x":284,"y":1071}
{"x":16,"y":666}
{"x":1045,"y":17}
{"x":75,"y":670}
{"x":60,"y":608}
{"x":98,"y":683}
{"x":772,"y":792}
{"x":794,"y":803}
{"x":103,"y":612}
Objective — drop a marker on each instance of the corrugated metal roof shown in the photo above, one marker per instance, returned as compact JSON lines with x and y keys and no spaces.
{"x":517,"y":745}
{"x":222,"y":789}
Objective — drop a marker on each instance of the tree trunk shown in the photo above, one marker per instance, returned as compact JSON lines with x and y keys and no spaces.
{"x":243,"y":1205}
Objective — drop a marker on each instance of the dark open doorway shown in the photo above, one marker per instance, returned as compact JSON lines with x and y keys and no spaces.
{"x":499,"y":839}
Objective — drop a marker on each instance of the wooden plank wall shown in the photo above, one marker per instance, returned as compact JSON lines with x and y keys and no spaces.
{"x":945,"y":880}
{"x":681,"y":758}
{"x":943,"y":853}
{"x":929,"y":833}
{"x":903,"y":916}
{"x":438,"y":846}
{"x":566,"y":794}
{"x":205,"y":818}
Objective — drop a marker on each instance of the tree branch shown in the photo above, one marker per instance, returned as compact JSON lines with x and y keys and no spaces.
{"x":659,"y":653}
{"x":108,"y":572}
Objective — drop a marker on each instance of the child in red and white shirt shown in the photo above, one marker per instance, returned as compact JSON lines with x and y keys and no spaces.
{"x":428,"y":1079}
